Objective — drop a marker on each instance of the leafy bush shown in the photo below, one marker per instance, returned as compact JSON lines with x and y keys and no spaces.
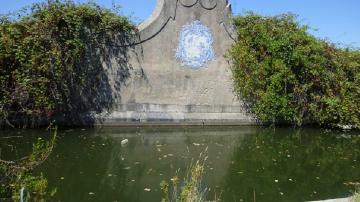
{"x":49,"y":58}
{"x":287,"y":76}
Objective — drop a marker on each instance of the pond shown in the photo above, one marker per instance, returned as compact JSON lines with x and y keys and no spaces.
{"x":243,"y":164}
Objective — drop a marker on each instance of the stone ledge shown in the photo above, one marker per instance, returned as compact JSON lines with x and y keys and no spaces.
{"x":169,"y":108}
{"x":173,"y":118}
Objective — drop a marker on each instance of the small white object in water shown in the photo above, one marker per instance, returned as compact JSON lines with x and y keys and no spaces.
{"x":124,"y":142}
{"x":147,"y":189}
{"x":276,"y":180}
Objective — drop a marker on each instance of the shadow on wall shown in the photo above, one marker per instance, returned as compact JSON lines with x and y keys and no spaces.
{"x":105,"y":68}
{"x":94,"y":85}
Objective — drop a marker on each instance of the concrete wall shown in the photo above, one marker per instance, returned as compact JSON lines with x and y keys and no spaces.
{"x":157,"y":88}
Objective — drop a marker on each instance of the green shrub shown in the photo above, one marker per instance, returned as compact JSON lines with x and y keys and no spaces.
{"x":49,"y":58}
{"x":287,"y":76}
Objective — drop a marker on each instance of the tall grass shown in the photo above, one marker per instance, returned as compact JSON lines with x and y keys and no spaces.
{"x":191,"y":188}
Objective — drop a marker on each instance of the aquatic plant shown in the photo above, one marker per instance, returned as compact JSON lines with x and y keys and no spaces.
{"x":16,"y":179}
{"x":190,"y":189}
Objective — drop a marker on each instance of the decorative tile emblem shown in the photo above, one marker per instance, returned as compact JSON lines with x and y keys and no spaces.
{"x":195,"y":47}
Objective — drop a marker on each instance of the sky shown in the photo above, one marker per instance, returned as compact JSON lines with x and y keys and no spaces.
{"x":336,"y":20}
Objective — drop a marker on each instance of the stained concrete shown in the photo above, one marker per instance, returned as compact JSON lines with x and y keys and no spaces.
{"x":157,"y":89}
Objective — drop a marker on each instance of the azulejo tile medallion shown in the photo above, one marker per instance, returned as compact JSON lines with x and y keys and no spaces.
{"x":195,"y":48}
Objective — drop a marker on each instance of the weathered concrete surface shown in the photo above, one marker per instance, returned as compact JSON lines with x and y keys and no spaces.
{"x":157,"y":89}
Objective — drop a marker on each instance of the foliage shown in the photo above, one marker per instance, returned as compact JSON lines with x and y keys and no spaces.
{"x":190,"y":191}
{"x":45,"y":56}
{"x":16,"y":175}
{"x":287,"y":76}
{"x":356,"y":197}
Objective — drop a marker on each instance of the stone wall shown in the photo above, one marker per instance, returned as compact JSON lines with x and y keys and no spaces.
{"x":176,"y":72}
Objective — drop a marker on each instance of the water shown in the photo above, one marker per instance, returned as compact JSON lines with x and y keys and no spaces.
{"x":244,"y":163}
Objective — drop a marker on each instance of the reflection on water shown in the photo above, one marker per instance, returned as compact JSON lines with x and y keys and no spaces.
{"x":244,"y":163}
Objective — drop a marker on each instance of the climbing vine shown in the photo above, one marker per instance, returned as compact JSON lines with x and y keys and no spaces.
{"x":50,"y":56}
{"x":287,"y":76}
